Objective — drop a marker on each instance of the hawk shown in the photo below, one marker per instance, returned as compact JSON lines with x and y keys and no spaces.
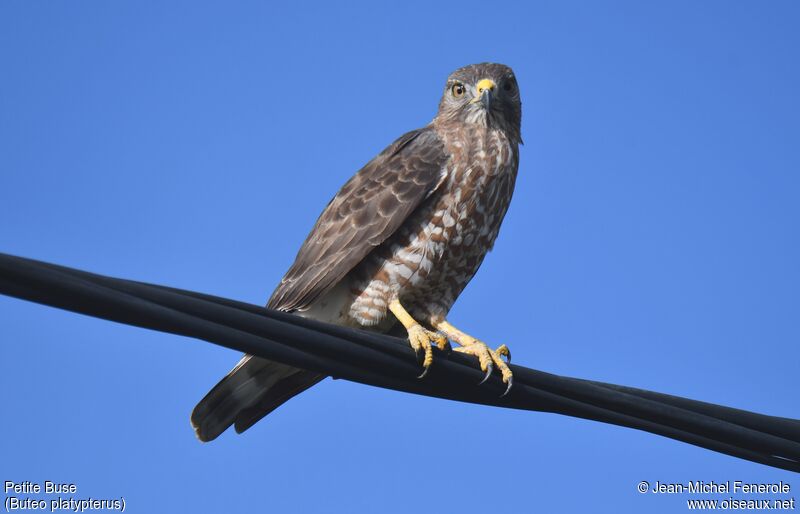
{"x":398,"y":243}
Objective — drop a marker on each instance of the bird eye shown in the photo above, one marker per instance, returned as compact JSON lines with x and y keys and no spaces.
{"x":508,"y":86}
{"x":458,"y":90}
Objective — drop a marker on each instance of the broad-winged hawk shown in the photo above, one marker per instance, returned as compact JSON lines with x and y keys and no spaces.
{"x":399,"y":242}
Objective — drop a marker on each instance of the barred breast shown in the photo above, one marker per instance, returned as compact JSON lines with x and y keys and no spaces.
{"x":433,"y":256}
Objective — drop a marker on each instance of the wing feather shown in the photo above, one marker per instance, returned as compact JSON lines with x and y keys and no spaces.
{"x":365,"y":212}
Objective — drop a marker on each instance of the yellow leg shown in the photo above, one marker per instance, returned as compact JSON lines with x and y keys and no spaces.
{"x":418,"y":336}
{"x":487,"y":357}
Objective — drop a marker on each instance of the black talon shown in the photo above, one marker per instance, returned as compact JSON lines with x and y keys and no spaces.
{"x":488,"y":373}
{"x":510,"y":383}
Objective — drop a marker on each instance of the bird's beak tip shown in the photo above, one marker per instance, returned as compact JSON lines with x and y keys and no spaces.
{"x":486,"y":99}
{"x":485,"y":89}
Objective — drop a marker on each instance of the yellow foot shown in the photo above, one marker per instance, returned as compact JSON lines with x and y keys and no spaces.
{"x":421,"y":338}
{"x":489,"y":359}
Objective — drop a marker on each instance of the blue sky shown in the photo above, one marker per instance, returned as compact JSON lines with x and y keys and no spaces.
{"x":652,"y":240}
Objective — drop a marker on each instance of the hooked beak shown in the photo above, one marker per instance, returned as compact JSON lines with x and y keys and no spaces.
{"x":485,"y":90}
{"x":486,"y":99}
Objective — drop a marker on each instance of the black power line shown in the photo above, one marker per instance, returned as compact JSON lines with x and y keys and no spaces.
{"x":385,"y":361}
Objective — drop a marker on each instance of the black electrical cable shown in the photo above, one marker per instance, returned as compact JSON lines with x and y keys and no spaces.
{"x":385,"y":361}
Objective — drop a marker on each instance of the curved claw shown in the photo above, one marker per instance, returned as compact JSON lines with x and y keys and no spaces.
{"x":503,"y":350}
{"x":510,"y":383}
{"x":489,"y":369}
{"x":420,"y":340}
{"x":425,"y":372}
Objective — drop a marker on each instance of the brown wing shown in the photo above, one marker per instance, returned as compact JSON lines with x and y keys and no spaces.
{"x":364,"y":213}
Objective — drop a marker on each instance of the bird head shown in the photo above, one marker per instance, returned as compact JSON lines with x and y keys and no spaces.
{"x":485,"y":94}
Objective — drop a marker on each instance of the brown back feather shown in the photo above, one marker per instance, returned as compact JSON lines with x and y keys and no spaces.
{"x":368,"y":209}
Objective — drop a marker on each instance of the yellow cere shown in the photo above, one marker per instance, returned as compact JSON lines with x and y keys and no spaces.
{"x":485,"y":84}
